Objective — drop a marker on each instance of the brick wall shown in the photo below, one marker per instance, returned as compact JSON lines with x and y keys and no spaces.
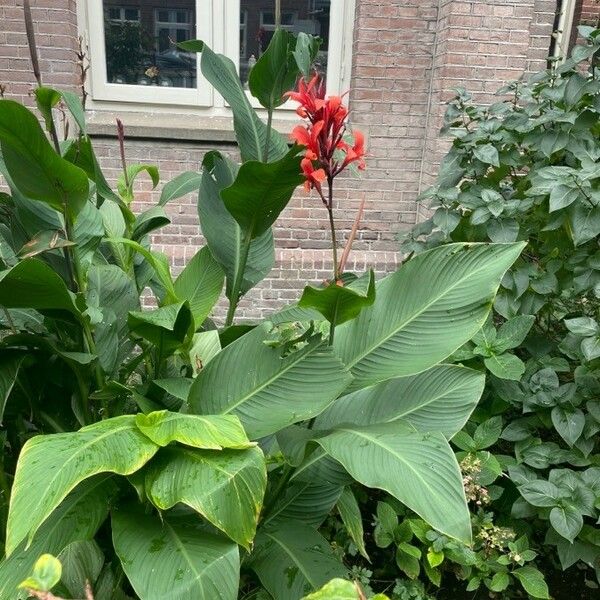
{"x":590,"y":12}
{"x":407,"y":57}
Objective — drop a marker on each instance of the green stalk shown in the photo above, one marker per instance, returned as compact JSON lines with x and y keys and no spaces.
{"x":336,"y":273}
{"x":237,"y":283}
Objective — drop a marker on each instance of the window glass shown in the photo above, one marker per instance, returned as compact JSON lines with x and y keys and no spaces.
{"x":141,"y":37}
{"x":257,"y":24}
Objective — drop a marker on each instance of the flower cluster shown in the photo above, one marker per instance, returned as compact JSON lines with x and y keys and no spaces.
{"x":327,"y":151}
{"x":470,"y":467}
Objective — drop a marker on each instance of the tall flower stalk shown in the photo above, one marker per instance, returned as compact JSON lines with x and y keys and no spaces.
{"x":328,"y":150}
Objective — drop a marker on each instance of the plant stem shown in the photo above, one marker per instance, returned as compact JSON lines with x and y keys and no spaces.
{"x":352,"y":236}
{"x":336,"y":274}
{"x":277,"y":14}
{"x":268,"y":136}
{"x":237,"y":283}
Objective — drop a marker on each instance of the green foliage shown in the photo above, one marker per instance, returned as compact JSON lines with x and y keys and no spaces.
{"x":144,"y":445}
{"x":526,"y":168}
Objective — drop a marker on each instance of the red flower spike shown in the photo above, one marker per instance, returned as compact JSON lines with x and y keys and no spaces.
{"x":314,"y":177}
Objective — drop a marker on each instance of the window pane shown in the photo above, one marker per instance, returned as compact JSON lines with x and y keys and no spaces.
{"x":141,"y":37}
{"x":258,"y":24}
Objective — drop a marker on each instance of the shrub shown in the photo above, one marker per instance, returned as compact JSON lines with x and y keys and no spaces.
{"x":526,"y":168}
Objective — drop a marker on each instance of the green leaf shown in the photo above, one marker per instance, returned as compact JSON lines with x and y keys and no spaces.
{"x":440,"y":399}
{"x":125,"y":188}
{"x":512,"y":333}
{"x":276,"y":70}
{"x":200,"y":283}
{"x":336,"y":589}
{"x":569,"y":422}
{"x":46,"y":574}
{"x":77,"y":518}
{"x":81,"y":561}
{"x":293,"y":560}
{"x":563,"y":195}
{"x":148,"y":221}
{"x":46,"y":99}
{"x":31,"y":283}
{"x":166,"y":327}
{"x":567,"y":521}
{"x":407,"y":561}
{"x":419,"y":469}
{"x":250,"y":131}
{"x":532,"y":581}
{"x":540,"y":493}
{"x":412,"y":326}
{"x":488,"y":154}
{"x":211,"y":432}
{"x":505,"y":366}
{"x":265,"y":389}
{"x":174,"y":558}
{"x":590,"y":347}
{"x":350,"y":514}
{"x":205,"y":346}
{"x":10,"y":365}
{"x":225,"y":487}
{"x":35,"y":168}
{"x":305,"y":52}
{"x":585,"y":222}
{"x":582,"y":326}
{"x":57,"y":463}
{"x":183,"y":184}
{"x":224,"y":235}
{"x":337,"y":303}
{"x":500,"y":581}
{"x":487,"y":433}
{"x":261,"y":191}
{"x":43,"y":242}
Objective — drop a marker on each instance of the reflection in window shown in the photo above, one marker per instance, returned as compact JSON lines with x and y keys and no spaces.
{"x":257,"y":24}
{"x":141,"y":38}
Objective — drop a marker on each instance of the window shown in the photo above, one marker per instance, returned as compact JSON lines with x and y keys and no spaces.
{"x":134,"y":56}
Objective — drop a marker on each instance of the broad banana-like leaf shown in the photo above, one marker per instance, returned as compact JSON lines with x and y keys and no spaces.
{"x":58,"y":463}
{"x":81,"y":562}
{"x":10,"y":365}
{"x":261,"y":191}
{"x":226,"y":487}
{"x":174,"y":558}
{"x":78,"y":517}
{"x":305,"y":502}
{"x":183,"y":184}
{"x":439,"y":399}
{"x":250,"y":131}
{"x":148,"y":221}
{"x":35,"y":168}
{"x":293,"y":559}
{"x":419,"y":469}
{"x":223,"y":234}
{"x":266,"y":390}
{"x":31,"y":283}
{"x":349,"y":511}
{"x":200,"y":283}
{"x":210,"y":432}
{"x":424,"y":312}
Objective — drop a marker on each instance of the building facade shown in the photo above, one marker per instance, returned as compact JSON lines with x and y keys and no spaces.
{"x":399,"y":59}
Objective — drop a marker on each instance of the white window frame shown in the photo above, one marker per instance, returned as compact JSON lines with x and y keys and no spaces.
{"x":223,"y":39}
{"x":564,"y":29}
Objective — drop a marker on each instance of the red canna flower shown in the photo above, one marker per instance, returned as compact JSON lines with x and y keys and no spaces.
{"x":314,"y":177}
{"x":323,"y":135}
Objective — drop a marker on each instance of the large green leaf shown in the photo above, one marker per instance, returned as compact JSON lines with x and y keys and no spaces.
{"x":183,"y":184}
{"x":439,"y":399}
{"x":35,"y":168}
{"x":265,"y":389}
{"x":174,"y":558}
{"x":349,"y":511}
{"x":57,"y":463}
{"x":261,"y":191}
{"x":424,"y":312}
{"x":226,"y":487}
{"x":81,"y":562}
{"x":276,"y":70}
{"x":293,"y":559}
{"x":210,"y":432}
{"x":419,"y":469}
{"x":166,"y":327}
{"x":250,"y":131}
{"x":223,"y":234}
{"x":337,"y":303}
{"x":31,"y":283}
{"x":200,"y":283}
{"x":77,"y":518}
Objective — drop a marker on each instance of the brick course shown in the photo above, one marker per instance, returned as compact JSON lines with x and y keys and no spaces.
{"x":408,"y":55}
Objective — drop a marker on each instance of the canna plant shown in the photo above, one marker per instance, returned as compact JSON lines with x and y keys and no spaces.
{"x":155,"y":455}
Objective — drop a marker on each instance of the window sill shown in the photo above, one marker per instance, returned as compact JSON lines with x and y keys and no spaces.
{"x":173,"y":126}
